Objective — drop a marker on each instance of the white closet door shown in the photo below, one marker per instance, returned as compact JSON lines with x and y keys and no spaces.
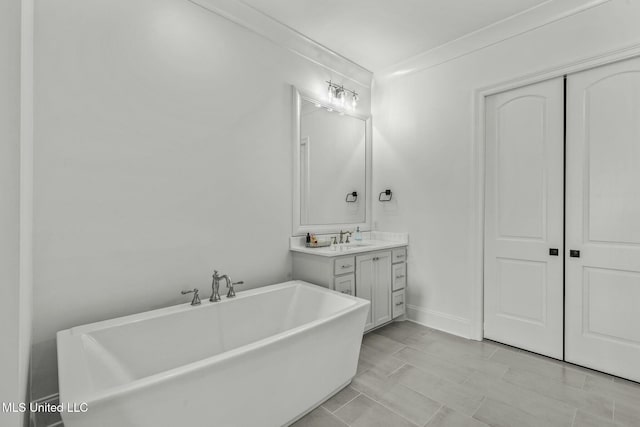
{"x":603,"y":219}
{"x":523,"y":279}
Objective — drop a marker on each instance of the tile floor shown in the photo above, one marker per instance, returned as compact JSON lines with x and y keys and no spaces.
{"x":410,"y":375}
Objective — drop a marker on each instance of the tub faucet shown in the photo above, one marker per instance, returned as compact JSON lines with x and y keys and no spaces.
{"x":215,"y":286}
{"x":232,"y":292}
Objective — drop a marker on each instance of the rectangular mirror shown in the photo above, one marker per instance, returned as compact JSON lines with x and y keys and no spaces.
{"x":332,"y":167}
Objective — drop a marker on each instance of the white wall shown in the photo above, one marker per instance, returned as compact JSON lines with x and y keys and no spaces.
{"x":163,"y":151}
{"x":15,"y":220}
{"x":424,"y":145}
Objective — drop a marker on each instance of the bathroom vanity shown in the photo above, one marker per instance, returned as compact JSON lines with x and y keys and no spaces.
{"x":372,"y":269}
{"x":332,"y":191}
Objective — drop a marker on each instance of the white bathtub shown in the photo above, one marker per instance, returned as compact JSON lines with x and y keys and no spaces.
{"x":261,"y":359}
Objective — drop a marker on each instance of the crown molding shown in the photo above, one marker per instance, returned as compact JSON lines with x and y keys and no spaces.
{"x":513,"y":26}
{"x":259,"y":23}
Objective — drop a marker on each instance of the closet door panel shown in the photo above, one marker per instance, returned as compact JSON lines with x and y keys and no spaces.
{"x":524,"y":217}
{"x":603,"y":219}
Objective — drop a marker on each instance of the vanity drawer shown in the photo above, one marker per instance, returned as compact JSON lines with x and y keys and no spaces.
{"x":398,"y":255}
{"x":344,"y":265}
{"x":399,"y":276}
{"x":398,"y":303}
{"x":345,"y":284}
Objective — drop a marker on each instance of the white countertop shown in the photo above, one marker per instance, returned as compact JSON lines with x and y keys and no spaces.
{"x":373,"y":241}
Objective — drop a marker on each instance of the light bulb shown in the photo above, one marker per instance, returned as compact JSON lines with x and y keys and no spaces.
{"x":318,"y":105}
{"x":354,"y":100}
{"x":331,"y":92}
{"x":340,"y":95}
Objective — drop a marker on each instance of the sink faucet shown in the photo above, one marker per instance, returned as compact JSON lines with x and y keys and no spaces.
{"x":342,"y":234}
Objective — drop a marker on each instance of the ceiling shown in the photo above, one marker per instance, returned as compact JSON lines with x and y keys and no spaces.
{"x":379,"y":33}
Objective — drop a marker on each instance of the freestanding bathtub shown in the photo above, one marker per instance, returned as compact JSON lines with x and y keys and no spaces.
{"x":263,"y":359}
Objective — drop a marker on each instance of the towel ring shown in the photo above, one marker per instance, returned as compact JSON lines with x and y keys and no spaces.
{"x":384,"y":194}
{"x":351,"y":197}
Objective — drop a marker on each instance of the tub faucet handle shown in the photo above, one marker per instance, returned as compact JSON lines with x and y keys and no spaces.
{"x":196,"y":298}
{"x":230,"y":285}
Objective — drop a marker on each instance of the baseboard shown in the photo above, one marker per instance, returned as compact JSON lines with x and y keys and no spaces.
{"x":441,"y":321}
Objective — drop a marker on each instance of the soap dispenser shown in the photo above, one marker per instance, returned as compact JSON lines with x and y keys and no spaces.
{"x":358,"y":235}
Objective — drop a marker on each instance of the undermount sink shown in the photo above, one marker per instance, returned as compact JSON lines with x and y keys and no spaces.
{"x":347,"y":246}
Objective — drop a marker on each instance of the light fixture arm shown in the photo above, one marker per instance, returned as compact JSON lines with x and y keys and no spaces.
{"x":341,"y":87}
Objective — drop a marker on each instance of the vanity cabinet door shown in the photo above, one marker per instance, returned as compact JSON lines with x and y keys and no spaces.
{"x":345,"y":284}
{"x":373,"y":282}
{"x":382,"y":293}
{"x":365,"y":273}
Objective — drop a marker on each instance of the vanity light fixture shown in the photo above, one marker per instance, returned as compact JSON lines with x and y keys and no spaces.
{"x":337,"y":93}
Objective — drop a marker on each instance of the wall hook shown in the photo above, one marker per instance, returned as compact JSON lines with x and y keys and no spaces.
{"x":385,"y":195}
{"x":351,"y":197}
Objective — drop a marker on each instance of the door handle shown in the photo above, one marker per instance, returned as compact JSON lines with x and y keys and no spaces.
{"x":553,"y":251}
{"x":573,"y":253}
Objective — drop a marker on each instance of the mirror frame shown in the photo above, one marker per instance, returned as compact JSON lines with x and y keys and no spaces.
{"x":300,"y":229}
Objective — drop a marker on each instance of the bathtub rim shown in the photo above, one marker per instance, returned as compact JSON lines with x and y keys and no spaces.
{"x":68,"y":356}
